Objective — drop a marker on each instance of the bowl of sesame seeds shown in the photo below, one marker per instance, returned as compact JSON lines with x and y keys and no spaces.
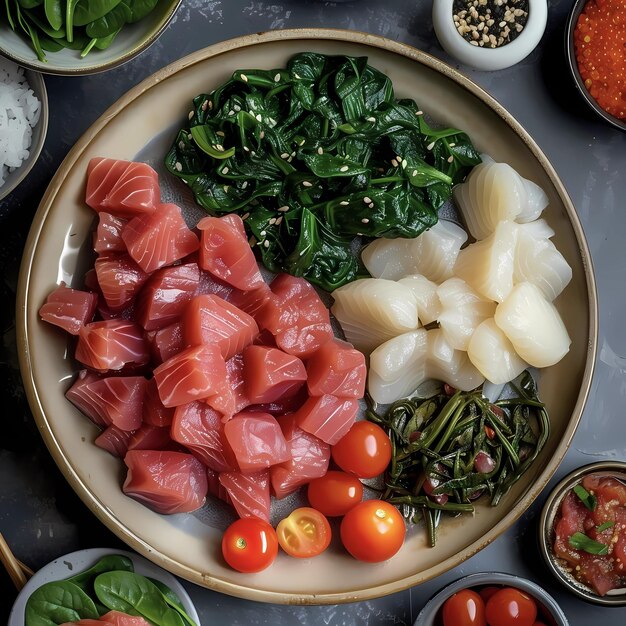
{"x":489,"y":34}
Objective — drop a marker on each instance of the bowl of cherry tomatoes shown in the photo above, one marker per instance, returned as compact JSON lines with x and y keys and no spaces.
{"x":492,"y":599}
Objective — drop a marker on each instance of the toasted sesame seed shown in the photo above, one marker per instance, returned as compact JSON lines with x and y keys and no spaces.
{"x":394,"y":163}
{"x":243,"y":77}
{"x":344,"y":168}
{"x":293,"y":155}
{"x":367,"y":200}
{"x":181,"y":145}
{"x":263,"y":233}
{"x":404,"y":164}
{"x":344,"y":203}
{"x":277,"y":78}
{"x":189,"y":136}
{"x":258,"y":117}
{"x":296,"y":76}
{"x":320,"y":150}
{"x":452,"y":145}
{"x":272,"y":121}
{"x":283,"y":209}
{"x":266,"y":243}
{"x":225,"y":170}
{"x":430,"y":146}
{"x":246,"y":148}
{"x":245,"y":216}
{"x":252,"y":153}
{"x":419,"y":113}
{"x":414,"y":174}
{"x":178,"y":166}
{"x":231,"y":113}
{"x":450,"y":158}
{"x":220,"y":133}
{"x":244,"y":184}
{"x":219,"y":147}
{"x":191,"y":114}
{"x":272,"y":221}
{"x":302,"y":142}
{"x":370,"y":119}
{"x":205,"y":105}
{"x":306,"y":183}
{"x":262,"y":134}
{"x":370,"y":206}
{"x":226,"y":188}
{"x":284,"y":155}
{"x":365,"y":220}
{"x":236,"y":108}
{"x":279,"y":219}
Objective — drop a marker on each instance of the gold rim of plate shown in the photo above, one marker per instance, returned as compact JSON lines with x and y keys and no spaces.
{"x":105,"y":514}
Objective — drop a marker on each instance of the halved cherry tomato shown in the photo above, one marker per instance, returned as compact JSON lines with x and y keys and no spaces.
{"x":335,"y":493}
{"x":486,"y":592}
{"x":464,"y":608}
{"x":304,"y":533}
{"x":511,"y":607}
{"x":373,"y":531}
{"x":249,"y":545}
{"x":364,"y":450}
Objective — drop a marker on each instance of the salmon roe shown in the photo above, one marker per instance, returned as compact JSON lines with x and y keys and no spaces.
{"x":600,"y":41}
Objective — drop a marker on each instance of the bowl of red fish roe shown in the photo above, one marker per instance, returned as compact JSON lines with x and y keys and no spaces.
{"x":596,"y":51}
{"x":582,"y":533}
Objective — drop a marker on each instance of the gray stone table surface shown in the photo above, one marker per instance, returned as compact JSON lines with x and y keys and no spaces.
{"x":39,"y":514}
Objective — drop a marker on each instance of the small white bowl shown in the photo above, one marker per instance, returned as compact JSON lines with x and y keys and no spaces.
{"x":76,"y":562}
{"x":489,"y":58}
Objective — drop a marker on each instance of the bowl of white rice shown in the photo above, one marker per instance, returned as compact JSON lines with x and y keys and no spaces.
{"x":23,"y":123}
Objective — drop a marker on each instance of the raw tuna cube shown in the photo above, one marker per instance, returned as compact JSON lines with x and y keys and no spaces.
{"x":236,"y":382}
{"x":327,"y":417}
{"x":159,"y":238}
{"x":120,"y":280}
{"x":337,"y":369}
{"x":282,"y":406}
{"x":111,"y":344}
{"x":209,"y":284}
{"x":165,"y":296}
{"x":114,"y":440}
{"x":91,"y":280}
{"x":193,"y":374}
{"x":250,"y":301}
{"x":154,"y":413}
{"x":271,"y":374}
{"x":226,"y":253}
{"x":167,"y":342}
{"x":84,"y":400}
{"x":122,"y":188}
{"x":265,"y":338}
{"x":224,"y":401}
{"x":257,"y":441}
{"x":296,"y":316}
{"x":309,"y":459}
{"x":215,"y":487}
{"x":167,"y":482}
{"x":199,"y":428}
{"x":211,"y":320}
{"x":108,"y":236}
{"x":248,"y":493}
{"x":148,"y":437}
{"x":122,"y":619}
{"x":69,"y":308}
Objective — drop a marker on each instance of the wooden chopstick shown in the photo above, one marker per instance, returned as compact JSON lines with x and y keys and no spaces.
{"x":27,"y":571}
{"x":12,"y":565}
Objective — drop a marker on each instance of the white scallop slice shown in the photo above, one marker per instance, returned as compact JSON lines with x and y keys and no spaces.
{"x":398,"y":367}
{"x":450,"y":365}
{"x":373,"y":310}
{"x":487,"y":265}
{"x":462,"y":310}
{"x":533,"y":325}
{"x":432,"y":254}
{"x":425,"y":292}
{"x":537,"y":202}
{"x":538,"y":261}
{"x":494,"y":355}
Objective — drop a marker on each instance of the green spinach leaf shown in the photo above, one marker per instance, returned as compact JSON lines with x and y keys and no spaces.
{"x":87,"y":11}
{"x":110,"y":23}
{"x":173,"y":600}
{"x":54,"y":13}
{"x":140,"y":8}
{"x":108,"y":563}
{"x":58,"y":602}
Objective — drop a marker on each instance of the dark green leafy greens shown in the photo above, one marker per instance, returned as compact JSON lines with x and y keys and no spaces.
{"x":315,"y":155}
{"x":57,"y":603}
{"x":447,"y":451}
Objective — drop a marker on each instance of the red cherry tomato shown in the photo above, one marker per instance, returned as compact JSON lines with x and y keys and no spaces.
{"x":335,"y":493}
{"x":249,"y":545}
{"x":364,"y":450}
{"x":304,"y":533}
{"x":486,"y":592}
{"x":511,"y":607}
{"x":464,"y":608}
{"x":373,"y":531}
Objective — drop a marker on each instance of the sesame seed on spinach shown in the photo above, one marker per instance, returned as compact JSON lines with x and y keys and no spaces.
{"x":311,"y":142}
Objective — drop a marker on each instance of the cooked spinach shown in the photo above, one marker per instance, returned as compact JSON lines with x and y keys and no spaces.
{"x":57,"y":603}
{"x":314,"y":156}
{"x":449,"y":450}
{"x":82,"y":25}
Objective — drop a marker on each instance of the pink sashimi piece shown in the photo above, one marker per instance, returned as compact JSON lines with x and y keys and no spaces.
{"x":215,"y":487}
{"x":85,"y":401}
{"x":210,"y":285}
{"x":160,"y":238}
{"x":165,"y":295}
{"x":167,"y":482}
{"x":114,"y":440}
{"x":337,"y":369}
{"x":121,"y":619}
{"x":226,"y":253}
{"x":110,"y":345}
{"x":257,"y":441}
{"x":271,"y":374}
{"x":282,"y":406}
{"x":154,"y":413}
{"x":108,"y":235}
{"x":236,"y":382}
{"x":248,"y":493}
{"x":70,"y":309}
{"x":209,"y":319}
{"x":199,"y":428}
{"x":327,"y":417}
{"x":224,"y":401}
{"x":296,"y":316}
{"x":148,"y":437}
{"x":119,"y":279}
{"x":193,"y":374}
{"x":309,"y":459}
{"x":167,"y":342}
{"x":122,"y":188}
{"x":250,"y":301}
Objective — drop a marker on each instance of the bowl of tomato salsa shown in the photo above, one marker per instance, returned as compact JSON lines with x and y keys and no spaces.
{"x":595,"y":45}
{"x":582,"y":533}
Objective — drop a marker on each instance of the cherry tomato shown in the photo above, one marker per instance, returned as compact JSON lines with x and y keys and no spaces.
{"x":464,"y":608}
{"x":335,"y":493}
{"x":510,"y":607}
{"x":249,"y":545}
{"x":364,"y":450}
{"x":486,"y":592}
{"x":373,"y":531}
{"x":304,"y":533}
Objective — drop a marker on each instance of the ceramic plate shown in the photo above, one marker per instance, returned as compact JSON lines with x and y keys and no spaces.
{"x":142,"y":124}
{"x":75,"y":562}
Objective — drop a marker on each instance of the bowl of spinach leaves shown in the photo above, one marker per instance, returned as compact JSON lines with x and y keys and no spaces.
{"x":71,"y":37}
{"x":89,"y":584}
